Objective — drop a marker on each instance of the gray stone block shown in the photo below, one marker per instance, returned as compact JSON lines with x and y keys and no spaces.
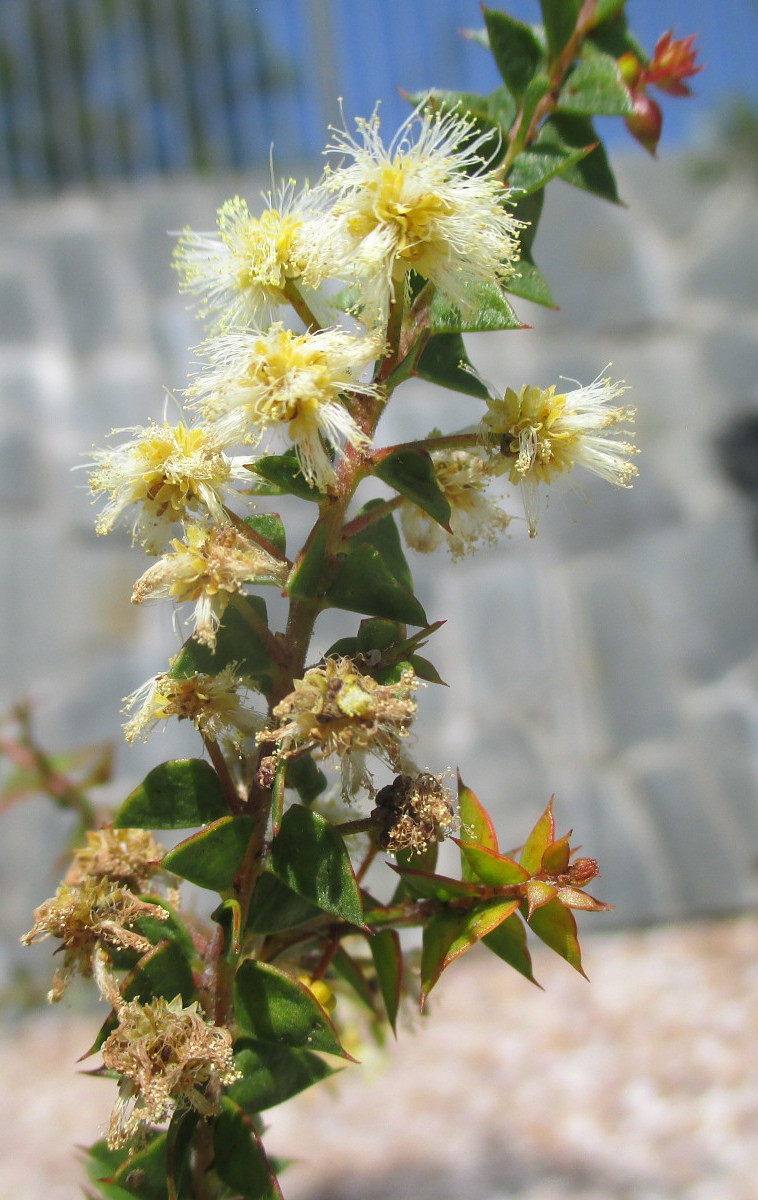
{"x":17,"y":316}
{"x":80,"y":267}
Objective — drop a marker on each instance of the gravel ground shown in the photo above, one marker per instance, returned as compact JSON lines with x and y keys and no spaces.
{"x":642,"y":1085}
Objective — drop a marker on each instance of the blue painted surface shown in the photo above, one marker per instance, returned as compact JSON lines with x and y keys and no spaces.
{"x":107,"y":88}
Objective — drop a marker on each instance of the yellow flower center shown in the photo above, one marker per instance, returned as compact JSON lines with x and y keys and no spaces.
{"x":170,"y":484}
{"x":296,"y":377}
{"x":390,"y":202}
{"x":266,"y":247}
{"x":533,"y":434}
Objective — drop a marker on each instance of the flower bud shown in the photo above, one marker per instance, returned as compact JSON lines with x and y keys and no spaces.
{"x":645,"y":121}
{"x":631,"y":69}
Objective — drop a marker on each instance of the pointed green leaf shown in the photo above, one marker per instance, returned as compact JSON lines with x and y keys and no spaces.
{"x":270,"y":527}
{"x":595,"y":88}
{"x":556,"y":926}
{"x":517,"y":51}
{"x":443,"y":361}
{"x":275,"y":907}
{"x":277,"y":796}
{"x":508,"y":942}
{"x":310,"y":857}
{"x":538,"y":87}
{"x":148,"y":1165}
{"x":592,"y":172}
{"x":237,"y":641}
{"x":283,"y":475}
{"x":556,"y":856}
{"x":365,"y":584}
{"x":529,"y":283}
{"x":274,"y":1008}
{"x":172,"y":929}
{"x":539,"y":893}
{"x":411,"y":473}
{"x":604,"y":9}
{"x":613,"y":35}
{"x":448,"y":936}
{"x":559,"y":18}
{"x":388,"y":963}
{"x":383,"y":536}
{"x":272,"y":1074}
{"x":489,"y":310}
{"x":229,"y":916}
{"x":436,"y":887}
{"x":490,"y":867}
{"x":538,"y":841}
{"x":352,"y":973}
{"x":308,"y":573}
{"x":426,"y":670}
{"x":240,"y":1159}
{"x":179,"y":794}
{"x":377,"y":634}
{"x":476,"y":826}
{"x":536,"y":166}
{"x":212,"y":857}
{"x":305,"y":777}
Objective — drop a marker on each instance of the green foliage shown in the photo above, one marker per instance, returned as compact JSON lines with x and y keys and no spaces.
{"x":212,"y":857}
{"x":517,"y":51}
{"x":273,"y":1008}
{"x":175,"y":795}
{"x":239,"y":642}
{"x":240,"y":1158}
{"x":309,"y":856}
{"x":411,"y":473}
{"x":444,"y":361}
{"x":272,"y":1074}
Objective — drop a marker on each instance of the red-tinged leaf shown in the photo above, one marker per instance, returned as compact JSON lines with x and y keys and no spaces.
{"x":556,"y":927}
{"x":491,"y":868}
{"x":454,"y":933}
{"x":388,"y":962}
{"x":436,"y":887}
{"x":212,"y":857}
{"x":240,"y":1159}
{"x":539,"y":893}
{"x":573,"y":898}
{"x":476,"y":824}
{"x":508,"y":942}
{"x":349,"y":970}
{"x":277,"y":796}
{"x":538,"y":841}
{"x":272,"y":1007}
{"x":555,"y":860}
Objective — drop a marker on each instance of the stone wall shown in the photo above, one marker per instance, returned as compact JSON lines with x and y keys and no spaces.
{"x":612,"y":661}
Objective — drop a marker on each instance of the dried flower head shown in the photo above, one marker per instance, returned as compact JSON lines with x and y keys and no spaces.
{"x":85,"y":916}
{"x":544,"y":434}
{"x":164,"y":472}
{"x":463,"y":477}
{"x":207,"y":569}
{"x":293,"y":382}
{"x":214,"y":704}
{"x":241,"y":271}
{"x":412,"y":812}
{"x":338,"y":710}
{"x":130,"y":857}
{"x":426,"y":203}
{"x":167,"y":1056}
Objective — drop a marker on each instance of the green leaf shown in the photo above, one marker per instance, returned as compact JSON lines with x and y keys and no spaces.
{"x":535,"y":167}
{"x":275,"y":907}
{"x":508,"y":942}
{"x":476,"y":825}
{"x":529,"y":283}
{"x":349,"y":970}
{"x":490,"y":311}
{"x":272,"y":1074}
{"x":148,"y":1165}
{"x":556,"y":926}
{"x":305,"y":777}
{"x":274,"y":1008}
{"x":377,"y":634}
{"x":172,"y":929}
{"x":283,"y":474}
{"x":449,"y":935}
{"x":310,"y":857}
{"x":237,"y":641}
{"x":604,"y":9}
{"x":559,"y":18}
{"x":411,"y":473}
{"x":426,"y":670}
{"x":212,"y":857}
{"x":490,"y":867}
{"x":443,"y":360}
{"x":592,"y":172}
{"x":595,"y":88}
{"x":383,"y":536}
{"x":307,"y":575}
{"x":270,"y":527}
{"x":538,"y":841}
{"x":240,"y":1159}
{"x":388,"y":963}
{"x":517,"y":51}
{"x":436,"y":887}
{"x":538,"y":87}
{"x":179,"y":794}
{"x":365,"y":584}
{"x":611,"y":32}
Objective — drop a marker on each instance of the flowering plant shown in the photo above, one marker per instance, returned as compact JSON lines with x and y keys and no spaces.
{"x":309,"y":773}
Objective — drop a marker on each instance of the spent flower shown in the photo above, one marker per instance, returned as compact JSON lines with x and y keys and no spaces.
{"x":543,"y":433}
{"x":163,"y":473}
{"x":169,"y":1058}
{"x":292,"y":382}
{"x":413,"y":812}
{"x":463,"y":477}
{"x":426,"y":202}
{"x":129,"y":857}
{"x":207,"y":569}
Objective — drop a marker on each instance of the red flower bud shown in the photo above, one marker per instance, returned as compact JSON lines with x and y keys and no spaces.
{"x":645,"y":121}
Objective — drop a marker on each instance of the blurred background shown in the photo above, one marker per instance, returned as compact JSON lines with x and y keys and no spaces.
{"x":613,"y":661}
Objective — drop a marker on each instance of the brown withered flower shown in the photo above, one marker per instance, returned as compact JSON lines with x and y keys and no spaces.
{"x":130,"y":857}
{"x":412,"y":812}
{"x":167,"y":1056}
